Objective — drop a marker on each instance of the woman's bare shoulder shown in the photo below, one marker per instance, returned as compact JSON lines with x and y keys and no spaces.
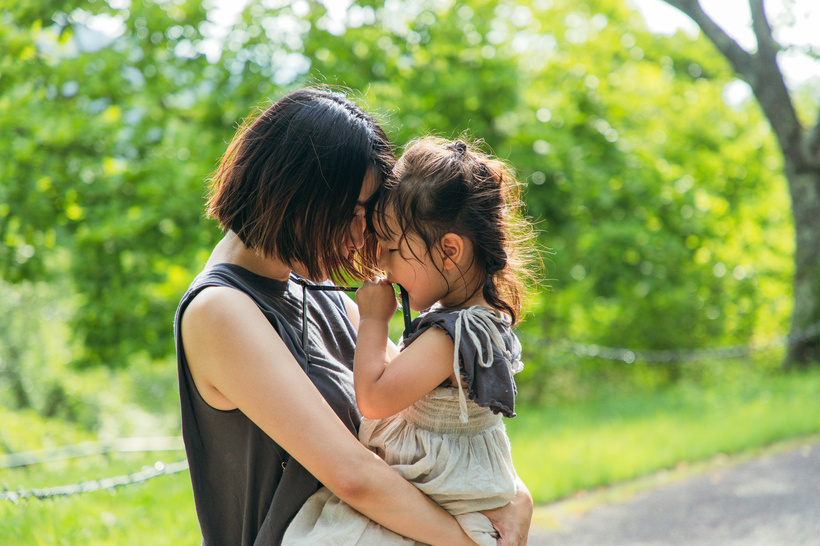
{"x":214,"y":326}
{"x":218,"y":302}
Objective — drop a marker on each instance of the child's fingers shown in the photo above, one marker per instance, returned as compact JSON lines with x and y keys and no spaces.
{"x":378,"y":287}
{"x":374,"y":281}
{"x":374,"y":290}
{"x":377,"y":284}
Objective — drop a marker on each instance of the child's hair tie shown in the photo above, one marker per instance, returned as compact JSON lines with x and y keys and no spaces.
{"x":459,"y":147}
{"x":497,"y":263}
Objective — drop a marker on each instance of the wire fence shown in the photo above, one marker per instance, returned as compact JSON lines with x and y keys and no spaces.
{"x":174,"y":443}
{"x":668,"y":356}
{"x":89,"y":449}
{"x":148,"y":472}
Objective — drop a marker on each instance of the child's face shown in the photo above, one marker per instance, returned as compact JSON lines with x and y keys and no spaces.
{"x":406,"y":261}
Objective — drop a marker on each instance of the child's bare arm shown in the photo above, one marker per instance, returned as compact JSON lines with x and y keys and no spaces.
{"x":385,"y":386}
{"x":353,"y":314}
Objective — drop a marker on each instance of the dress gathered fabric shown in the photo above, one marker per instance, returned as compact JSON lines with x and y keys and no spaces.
{"x":464,"y":467}
{"x":456,"y":451}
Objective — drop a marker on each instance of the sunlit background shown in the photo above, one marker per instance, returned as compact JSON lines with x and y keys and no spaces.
{"x":655,"y":180}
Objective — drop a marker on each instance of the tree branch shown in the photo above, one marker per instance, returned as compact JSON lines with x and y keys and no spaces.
{"x":811,"y":151}
{"x":739,"y":58}
{"x":767,"y":48}
{"x":760,"y":71}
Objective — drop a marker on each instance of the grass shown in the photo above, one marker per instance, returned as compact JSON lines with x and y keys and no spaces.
{"x":554,"y":516}
{"x":157,"y":512}
{"x":583,"y":445}
{"x":559,"y":450}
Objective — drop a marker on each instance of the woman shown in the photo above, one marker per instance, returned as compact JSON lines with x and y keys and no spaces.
{"x":266,"y":384}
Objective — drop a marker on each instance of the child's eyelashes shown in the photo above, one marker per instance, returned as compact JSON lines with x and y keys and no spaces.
{"x":387,"y":246}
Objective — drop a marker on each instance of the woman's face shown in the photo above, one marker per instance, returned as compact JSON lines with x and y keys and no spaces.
{"x":354,"y":236}
{"x":354,"y":239}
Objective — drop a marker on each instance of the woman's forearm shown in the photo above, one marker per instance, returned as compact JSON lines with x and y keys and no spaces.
{"x":382,"y":495}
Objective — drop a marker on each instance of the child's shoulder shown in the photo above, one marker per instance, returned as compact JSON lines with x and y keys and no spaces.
{"x":448,"y":318}
{"x":476,"y":316}
{"x":477,"y":330}
{"x":488,"y":352}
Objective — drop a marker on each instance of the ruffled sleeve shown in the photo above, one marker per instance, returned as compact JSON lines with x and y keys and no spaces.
{"x":487,"y":354}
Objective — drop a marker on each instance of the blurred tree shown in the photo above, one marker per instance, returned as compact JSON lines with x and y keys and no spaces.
{"x":573,"y":95}
{"x":117,"y":112}
{"x":111,"y":121}
{"x":800,"y":146}
{"x":640,"y":189}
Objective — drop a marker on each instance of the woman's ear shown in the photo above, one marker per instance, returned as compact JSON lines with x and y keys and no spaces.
{"x":452,"y":250}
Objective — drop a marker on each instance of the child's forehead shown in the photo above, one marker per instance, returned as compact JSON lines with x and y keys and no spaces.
{"x":389,"y":232}
{"x":387,"y":227}
{"x":385,"y":219}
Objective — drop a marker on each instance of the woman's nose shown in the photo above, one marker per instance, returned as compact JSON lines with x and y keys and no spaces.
{"x":357,"y":232}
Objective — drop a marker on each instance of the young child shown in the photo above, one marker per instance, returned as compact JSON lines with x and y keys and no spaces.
{"x":449,"y":233}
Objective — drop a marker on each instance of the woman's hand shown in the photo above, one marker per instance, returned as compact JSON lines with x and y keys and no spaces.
{"x":376,"y":299}
{"x":512,"y":521}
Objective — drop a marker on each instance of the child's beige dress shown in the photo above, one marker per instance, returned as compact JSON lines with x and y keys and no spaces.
{"x":453,"y":449}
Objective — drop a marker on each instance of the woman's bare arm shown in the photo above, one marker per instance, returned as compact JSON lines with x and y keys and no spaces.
{"x":236,"y":358}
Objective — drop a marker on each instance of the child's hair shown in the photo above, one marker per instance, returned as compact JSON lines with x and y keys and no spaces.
{"x":442,"y":186}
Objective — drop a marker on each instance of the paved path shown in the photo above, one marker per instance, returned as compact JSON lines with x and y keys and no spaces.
{"x":772,"y":500}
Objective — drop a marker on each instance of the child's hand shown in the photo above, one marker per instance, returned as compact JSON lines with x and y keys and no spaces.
{"x":376,"y":299}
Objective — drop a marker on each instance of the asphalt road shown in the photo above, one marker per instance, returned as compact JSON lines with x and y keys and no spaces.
{"x":771,"y":500}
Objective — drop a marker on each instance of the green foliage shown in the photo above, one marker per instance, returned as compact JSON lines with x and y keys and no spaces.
{"x":25,"y":430}
{"x":664,"y":207}
{"x":644,"y":194}
{"x":104,"y":169}
{"x":559,"y":449}
{"x":36,"y":373}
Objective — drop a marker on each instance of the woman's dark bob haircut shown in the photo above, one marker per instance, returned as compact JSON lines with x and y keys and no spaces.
{"x":290,"y":180}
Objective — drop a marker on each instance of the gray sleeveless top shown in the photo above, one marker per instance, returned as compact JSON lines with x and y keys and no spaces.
{"x":246,"y":487}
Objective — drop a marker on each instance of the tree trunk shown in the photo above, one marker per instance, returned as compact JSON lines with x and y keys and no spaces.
{"x":804,"y":345}
{"x":801,"y":159}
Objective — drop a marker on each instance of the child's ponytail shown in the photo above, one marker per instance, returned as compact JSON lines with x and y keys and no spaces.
{"x":449,"y":186}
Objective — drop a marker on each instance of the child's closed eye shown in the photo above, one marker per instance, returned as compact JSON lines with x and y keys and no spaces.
{"x":387,"y":248}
